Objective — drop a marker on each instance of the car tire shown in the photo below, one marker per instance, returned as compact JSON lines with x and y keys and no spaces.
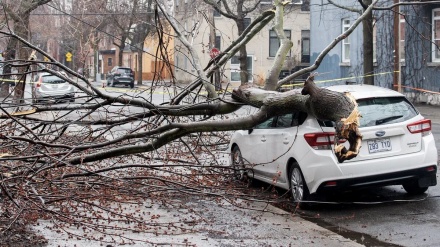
{"x":298,"y":187}
{"x":240,"y":173}
{"x":413,"y":188}
{"x":131,"y":85}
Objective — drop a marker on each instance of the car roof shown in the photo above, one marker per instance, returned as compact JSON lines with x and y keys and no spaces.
{"x":365,"y":91}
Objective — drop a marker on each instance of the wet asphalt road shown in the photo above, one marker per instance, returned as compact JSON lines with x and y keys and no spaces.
{"x":385,"y":216}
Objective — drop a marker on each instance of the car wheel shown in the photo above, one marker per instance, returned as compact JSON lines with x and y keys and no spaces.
{"x":414,"y":188}
{"x":132,"y":85}
{"x":239,"y":168}
{"x":298,"y":187}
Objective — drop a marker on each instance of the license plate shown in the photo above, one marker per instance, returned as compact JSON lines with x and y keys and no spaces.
{"x":379,"y":145}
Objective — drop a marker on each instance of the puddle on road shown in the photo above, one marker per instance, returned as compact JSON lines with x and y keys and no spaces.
{"x":358,"y":237}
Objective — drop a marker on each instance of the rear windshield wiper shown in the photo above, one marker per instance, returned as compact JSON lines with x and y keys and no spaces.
{"x":387,"y":119}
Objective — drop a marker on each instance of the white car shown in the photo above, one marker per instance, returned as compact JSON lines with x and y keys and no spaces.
{"x":296,"y":151}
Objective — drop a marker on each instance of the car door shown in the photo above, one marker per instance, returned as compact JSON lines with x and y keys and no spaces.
{"x":253,"y":144}
{"x":279,"y":142}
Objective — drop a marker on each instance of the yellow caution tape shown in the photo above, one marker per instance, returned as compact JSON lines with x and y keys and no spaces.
{"x":341,"y":79}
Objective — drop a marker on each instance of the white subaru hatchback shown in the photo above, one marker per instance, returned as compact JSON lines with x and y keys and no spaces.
{"x":296,"y":151}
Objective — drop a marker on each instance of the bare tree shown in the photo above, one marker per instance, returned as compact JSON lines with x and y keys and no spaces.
{"x":237,"y":11}
{"x":19,"y":14}
{"x":123,"y":25}
{"x":143,"y":29}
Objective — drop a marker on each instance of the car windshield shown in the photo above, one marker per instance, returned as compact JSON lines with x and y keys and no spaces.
{"x":378,"y":111}
{"x":52,"y":79}
{"x":122,"y":71}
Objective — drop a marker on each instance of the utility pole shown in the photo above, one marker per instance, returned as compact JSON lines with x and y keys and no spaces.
{"x":397,"y":84}
{"x":367,"y":33}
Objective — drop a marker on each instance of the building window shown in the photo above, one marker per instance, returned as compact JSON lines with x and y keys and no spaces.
{"x":246,"y":22}
{"x":218,"y":42}
{"x":235,"y":68}
{"x":345,"y":42}
{"x":217,"y":13}
{"x":305,"y":6}
{"x":402,"y":38}
{"x":109,"y":61}
{"x":305,"y":46}
{"x":374,"y":40}
{"x":274,"y":42}
{"x":436,"y":35}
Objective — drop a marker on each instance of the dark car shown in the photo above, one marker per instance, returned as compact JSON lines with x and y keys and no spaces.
{"x":120,"y":75}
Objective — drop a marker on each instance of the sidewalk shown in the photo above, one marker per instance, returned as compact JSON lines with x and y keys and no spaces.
{"x":220,"y":224}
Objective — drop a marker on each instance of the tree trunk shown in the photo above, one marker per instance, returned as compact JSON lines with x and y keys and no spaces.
{"x":139,"y":69}
{"x":21,"y":29}
{"x":9,"y":55}
{"x":242,"y":58}
{"x":367,"y":25}
{"x":121,"y":53}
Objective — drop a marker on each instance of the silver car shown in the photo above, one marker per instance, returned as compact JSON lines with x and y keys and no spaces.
{"x":49,"y":87}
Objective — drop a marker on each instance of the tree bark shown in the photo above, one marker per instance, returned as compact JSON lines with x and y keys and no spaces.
{"x":139,"y":68}
{"x":367,"y":32}
{"x":22,"y":30}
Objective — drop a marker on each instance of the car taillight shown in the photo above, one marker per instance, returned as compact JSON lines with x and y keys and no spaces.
{"x":39,"y":82}
{"x":321,"y":140}
{"x":422,"y":126}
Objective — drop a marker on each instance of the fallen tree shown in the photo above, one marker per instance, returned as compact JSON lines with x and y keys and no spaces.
{"x":61,"y":160}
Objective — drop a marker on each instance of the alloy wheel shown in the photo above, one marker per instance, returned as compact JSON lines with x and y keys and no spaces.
{"x":297,"y":185}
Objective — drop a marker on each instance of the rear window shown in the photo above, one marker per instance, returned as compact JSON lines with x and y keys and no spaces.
{"x":122,"y":71}
{"x":51,"y":79}
{"x":379,"y":111}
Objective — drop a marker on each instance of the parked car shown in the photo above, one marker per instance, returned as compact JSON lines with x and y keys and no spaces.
{"x":296,"y":151}
{"x":120,"y":75}
{"x":49,"y":87}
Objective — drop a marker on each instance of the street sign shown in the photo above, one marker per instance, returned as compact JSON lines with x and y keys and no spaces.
{"x":214,"y":52}
{"x":69,"y":57}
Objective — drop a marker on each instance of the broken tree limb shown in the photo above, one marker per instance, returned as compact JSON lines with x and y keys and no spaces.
{"x":321,"y":103}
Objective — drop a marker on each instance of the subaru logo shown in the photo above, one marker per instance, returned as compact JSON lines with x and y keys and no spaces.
{"x":380,"y":133}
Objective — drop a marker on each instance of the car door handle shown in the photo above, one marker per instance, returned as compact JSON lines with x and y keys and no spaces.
{"x":263,"y":138}
{"x":286,"y":141}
